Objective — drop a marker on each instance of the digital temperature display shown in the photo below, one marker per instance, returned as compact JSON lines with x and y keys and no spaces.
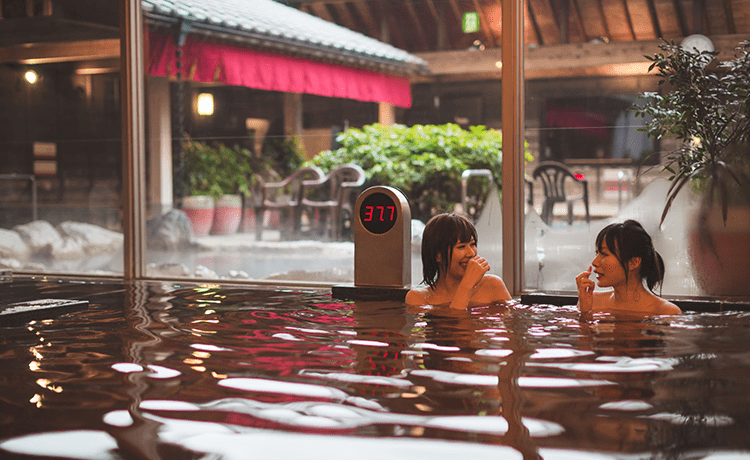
{"x":378,"y":213}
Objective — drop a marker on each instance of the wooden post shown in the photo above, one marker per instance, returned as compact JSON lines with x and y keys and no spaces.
{"x":386,"y":114}
{"x":293,"y":116}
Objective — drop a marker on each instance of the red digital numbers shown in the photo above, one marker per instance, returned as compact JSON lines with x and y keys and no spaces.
{"x":382,"y":212}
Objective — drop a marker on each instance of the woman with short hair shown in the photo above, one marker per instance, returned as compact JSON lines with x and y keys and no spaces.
{"x":453,"y":273}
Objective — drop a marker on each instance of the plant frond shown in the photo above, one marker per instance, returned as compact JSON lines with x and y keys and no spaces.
{"x":674,"y":190}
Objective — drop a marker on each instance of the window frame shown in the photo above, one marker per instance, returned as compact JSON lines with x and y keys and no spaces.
{"x":134,"y":157}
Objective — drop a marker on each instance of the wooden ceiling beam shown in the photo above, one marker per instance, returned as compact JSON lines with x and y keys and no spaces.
{"x":319,"y":10}
{"x":366,"y":17}
{"x":485,"y":23}
{"x":433,"y":10}
{"x":440,"y":18}
{"x":418,"y":30}
{"x":391,"y":31}
{"x":729,"y":14}
{"x":549,"y":32}
{"x":456,"y":10}
{"x":48,"y":52}
{"x":346,"y":18}
{"x":640,"y":19}
{"x":575,"y":11}
{"x":654,"y":18}
{"x":562,"y":60}
{"x":457,"y":17}
{"x":531,"y":28}
{"x":562,"y":17}
{"x":680,"y":13}
{"x":600,"y":9}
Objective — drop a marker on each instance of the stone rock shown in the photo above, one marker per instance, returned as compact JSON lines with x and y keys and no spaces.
{"x":12,"y":245}
{"x":34,"y":267}
{"x":67,"y":249}
{"x":204,"y":272}
{"x":92,"y":238}
{"x":40,"y":236}
{"x":10,"y":263}
{"x":169,"y":232}
{"x":239,"y":274}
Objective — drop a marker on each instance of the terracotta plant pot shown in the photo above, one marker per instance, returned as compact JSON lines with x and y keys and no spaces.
{"x":248,"y":220}
{"x":227,"y":215}
{"x":200,"y":210}
{"x":723,"y":270}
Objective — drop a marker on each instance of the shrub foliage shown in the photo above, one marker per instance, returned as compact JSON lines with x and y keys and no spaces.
{"x":423,"y":161}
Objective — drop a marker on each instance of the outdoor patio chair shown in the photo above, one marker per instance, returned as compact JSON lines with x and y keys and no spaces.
{"x":330,"y":200}
{"x":554,"y":177}
{"x":284,"y":197}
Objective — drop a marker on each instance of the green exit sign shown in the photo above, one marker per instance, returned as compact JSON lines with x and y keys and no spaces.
{"x":470,"y":22}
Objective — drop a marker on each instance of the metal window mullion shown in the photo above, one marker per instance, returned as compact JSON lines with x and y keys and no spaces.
{"x":513,"y":135}
{"x":133,"y":138}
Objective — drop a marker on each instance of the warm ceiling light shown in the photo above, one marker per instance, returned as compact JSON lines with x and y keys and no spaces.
{"x":31,"y":76}
{"x":205,"y":104}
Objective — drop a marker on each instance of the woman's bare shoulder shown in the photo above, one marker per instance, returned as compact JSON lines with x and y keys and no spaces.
{"x":494,"y":285}
{"x":417,"y":296}
{"x":665,"y":307}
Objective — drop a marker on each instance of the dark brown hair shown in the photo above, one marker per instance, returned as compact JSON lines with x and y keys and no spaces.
{"x":628,"y":240}
{"x":441,"y":233}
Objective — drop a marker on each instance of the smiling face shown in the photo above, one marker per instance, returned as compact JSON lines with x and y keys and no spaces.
{"x":442,"y":234}
{"x":607,"y":267}
{"x":460,"y":256}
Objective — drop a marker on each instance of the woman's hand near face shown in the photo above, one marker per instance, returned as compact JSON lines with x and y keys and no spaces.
{"x":475,"y":270}
{"x":585,"y":287}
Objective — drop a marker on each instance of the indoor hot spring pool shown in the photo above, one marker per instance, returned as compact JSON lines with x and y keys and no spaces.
{"x":154,"y":370}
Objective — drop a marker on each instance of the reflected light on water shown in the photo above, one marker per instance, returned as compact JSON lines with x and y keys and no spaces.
{"x":345,"y":376}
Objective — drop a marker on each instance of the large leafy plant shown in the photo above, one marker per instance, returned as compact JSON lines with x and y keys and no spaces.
{"x":283,"y":154}
{"x":216,"y":170}
{"x":423,"y":161}
{"x":707,"y":108}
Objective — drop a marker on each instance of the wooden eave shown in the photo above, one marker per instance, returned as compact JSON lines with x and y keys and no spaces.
{"x":557,"y":61}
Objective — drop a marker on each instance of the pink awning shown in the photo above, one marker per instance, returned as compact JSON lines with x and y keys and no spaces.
{"x":215,"y":62}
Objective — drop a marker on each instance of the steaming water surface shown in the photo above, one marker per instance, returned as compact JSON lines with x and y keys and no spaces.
{"x":168,"y":371}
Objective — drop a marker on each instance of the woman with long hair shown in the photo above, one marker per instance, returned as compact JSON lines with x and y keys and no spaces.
{"x":626,"y":262}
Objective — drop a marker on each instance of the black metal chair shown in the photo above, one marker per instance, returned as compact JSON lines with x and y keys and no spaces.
{"x":554,"y":177}
{"x":333,"y":194}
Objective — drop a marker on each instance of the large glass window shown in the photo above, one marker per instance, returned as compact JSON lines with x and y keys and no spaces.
{"x":61,"y":169}
{"x":60,"y":137}
{"x":197,"y":231}
{"x":196,"y":127}
{"x":593,"y":165}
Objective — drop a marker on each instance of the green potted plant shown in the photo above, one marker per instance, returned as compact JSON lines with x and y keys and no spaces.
{"x":706,"y":108}
{"x":216,"y":175}
{"x":235,"y":174}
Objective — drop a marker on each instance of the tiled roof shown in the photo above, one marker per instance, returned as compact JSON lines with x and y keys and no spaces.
{"x":284,"y":26}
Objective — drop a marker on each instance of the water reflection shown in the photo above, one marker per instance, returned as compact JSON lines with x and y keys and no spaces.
{"x":163,"y":371}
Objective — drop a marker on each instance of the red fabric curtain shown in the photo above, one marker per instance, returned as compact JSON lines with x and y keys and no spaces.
{"x":215,"y":62}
